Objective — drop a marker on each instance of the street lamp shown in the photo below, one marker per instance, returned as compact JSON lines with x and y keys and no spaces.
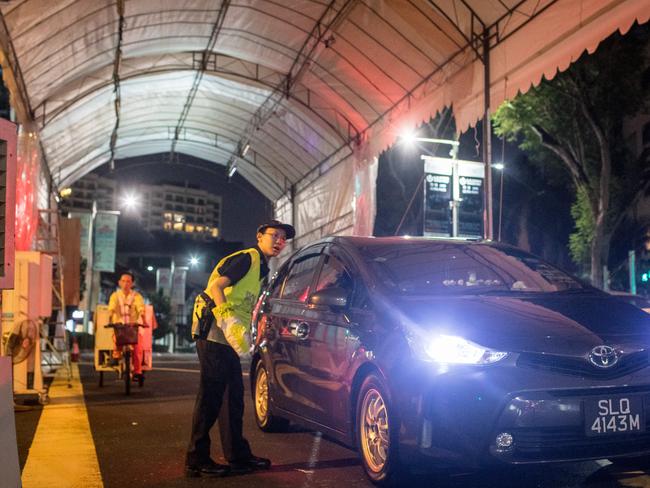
{"x":130,"y":201}
{"x":500,"y":167}
{"x":194,"y":261}
{"x":410,"y":138}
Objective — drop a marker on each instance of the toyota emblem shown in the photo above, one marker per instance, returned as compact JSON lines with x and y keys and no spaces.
{"x":603,"y":356}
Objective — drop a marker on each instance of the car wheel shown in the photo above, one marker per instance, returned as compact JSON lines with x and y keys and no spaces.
{"x":266,"y":421}
{"x":376,"y":432}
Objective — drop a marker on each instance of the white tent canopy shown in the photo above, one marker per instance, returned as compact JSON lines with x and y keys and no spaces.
{"x":281,"y":90}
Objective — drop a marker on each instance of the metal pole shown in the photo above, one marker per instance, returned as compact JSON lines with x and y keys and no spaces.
{"x":294,"y":214}
{"x":172,"y":304}
{"x":500,"y":201}
{"x":455,"y":192}
{"x":632,"y":265}
{"x":487,"y":142}
{"x":90,"y":264}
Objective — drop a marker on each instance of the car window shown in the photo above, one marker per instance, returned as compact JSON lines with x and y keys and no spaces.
{"x":334,"y":274}
{"x":276,"y":284}
{"x":429,"y":267}
{"x":296,"y":286}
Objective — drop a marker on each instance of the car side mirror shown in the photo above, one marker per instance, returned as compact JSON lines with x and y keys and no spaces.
{"x":333,"y":297}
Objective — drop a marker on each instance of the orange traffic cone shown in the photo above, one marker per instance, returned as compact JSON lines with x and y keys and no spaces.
{"x":74,"y":357}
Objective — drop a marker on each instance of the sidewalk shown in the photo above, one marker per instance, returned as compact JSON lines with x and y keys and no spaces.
{"x":62,"y":454}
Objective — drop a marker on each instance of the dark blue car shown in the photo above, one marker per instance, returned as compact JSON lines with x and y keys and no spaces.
{"x":450,"y":352}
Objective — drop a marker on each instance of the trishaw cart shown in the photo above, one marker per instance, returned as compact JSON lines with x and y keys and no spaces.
{"x":105,"y":343}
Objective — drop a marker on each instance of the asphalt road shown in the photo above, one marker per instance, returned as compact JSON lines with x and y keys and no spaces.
{"x":141,"y":440}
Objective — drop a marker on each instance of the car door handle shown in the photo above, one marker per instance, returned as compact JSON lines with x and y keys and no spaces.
{"x":299,"y":329}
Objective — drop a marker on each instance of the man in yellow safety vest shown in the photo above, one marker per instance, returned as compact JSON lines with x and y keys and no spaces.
{"x":221,"y":337}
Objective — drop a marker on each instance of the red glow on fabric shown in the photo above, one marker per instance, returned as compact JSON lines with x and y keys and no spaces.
{"x":26,"y":174}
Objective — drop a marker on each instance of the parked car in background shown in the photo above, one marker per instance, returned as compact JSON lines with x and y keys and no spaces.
{"x":637,"y":300}
{"x":450,"y":352}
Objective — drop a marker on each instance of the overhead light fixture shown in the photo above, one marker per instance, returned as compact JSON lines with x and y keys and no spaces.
{"x":232,"y":170}
{"x":247,"y":146}
{"x":130,"y":201}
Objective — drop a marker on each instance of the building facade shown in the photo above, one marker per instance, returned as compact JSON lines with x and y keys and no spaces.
{"x":174,"y":209}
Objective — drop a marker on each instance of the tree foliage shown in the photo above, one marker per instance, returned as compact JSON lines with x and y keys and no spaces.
{"x":575,"y":122}
{"x":579,"y":241}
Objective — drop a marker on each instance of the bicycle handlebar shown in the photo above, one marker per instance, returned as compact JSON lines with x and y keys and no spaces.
{"x":119,"y":324}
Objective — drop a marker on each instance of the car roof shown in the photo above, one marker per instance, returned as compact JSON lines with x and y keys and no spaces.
{"x":362,"y":241}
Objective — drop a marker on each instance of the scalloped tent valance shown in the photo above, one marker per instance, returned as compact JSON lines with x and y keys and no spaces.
{"x":281,"y":91}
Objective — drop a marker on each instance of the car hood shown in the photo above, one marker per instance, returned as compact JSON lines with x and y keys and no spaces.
{"x":553,"y":323}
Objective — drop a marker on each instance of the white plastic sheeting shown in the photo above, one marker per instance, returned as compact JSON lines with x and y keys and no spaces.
{"x":308,"y":85}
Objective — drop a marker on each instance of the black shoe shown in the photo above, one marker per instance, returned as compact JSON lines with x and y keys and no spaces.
{"x":250,"y":464}
{"x":209,"y":469}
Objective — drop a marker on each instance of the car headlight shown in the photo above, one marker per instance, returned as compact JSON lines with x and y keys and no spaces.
{"x":456,"y":350}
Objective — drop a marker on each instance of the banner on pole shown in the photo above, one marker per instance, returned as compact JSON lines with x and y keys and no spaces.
{"x":84,"y":219}
{"x":105,"y":241}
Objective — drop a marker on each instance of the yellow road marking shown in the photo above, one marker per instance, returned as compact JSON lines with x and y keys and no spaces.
{"x":63,"y":452}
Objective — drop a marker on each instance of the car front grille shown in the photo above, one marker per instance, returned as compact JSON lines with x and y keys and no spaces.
{"x":549,"y":444}
{"x":627,"y":364}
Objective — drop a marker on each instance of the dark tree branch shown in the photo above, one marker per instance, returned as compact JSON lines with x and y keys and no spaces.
{"x":549,"y":142}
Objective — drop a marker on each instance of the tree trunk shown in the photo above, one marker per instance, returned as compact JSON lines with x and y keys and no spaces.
{"x":523,"y":236}
{"x":597,"y":246}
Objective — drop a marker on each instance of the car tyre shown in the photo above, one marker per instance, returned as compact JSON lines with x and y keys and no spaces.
{"x":377,"y":433}
{"x":264,"y":417}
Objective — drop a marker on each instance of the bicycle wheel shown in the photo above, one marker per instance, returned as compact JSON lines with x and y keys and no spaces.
{"x":127,"y":372}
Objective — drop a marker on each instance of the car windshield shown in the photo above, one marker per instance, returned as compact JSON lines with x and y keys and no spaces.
{"x":422,"y":268}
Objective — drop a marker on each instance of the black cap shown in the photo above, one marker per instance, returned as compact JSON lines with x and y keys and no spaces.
{"x":276,"y":224}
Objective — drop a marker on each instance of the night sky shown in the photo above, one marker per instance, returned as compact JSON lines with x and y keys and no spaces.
{"x":243,"y":207}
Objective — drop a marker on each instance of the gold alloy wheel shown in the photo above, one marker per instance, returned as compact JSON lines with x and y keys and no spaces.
{"x":375,"y":439}
{"x":261,"y":396}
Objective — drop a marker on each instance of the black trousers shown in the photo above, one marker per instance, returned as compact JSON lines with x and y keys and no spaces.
{"x":220,"y":396}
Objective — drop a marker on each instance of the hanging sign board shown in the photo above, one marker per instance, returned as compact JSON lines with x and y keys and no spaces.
{"x":438,"y":185}
{"x":164,"y":281}
{"x":470,"y":207}
{"x":453,"y":197}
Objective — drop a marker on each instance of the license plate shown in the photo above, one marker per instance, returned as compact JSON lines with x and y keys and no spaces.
{"x":614,"y":415}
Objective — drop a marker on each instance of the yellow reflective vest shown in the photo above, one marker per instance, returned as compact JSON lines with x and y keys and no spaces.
{"x":241,"y":296}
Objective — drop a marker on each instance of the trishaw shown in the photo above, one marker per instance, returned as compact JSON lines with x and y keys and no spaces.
{"x":108,"y":336}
